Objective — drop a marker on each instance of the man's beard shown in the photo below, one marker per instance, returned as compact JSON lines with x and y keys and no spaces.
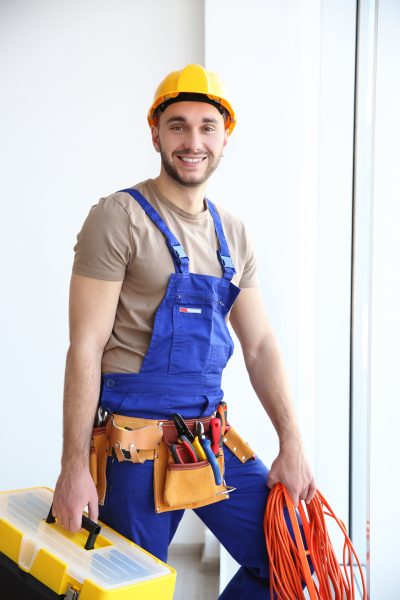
{"x":191,"y":180}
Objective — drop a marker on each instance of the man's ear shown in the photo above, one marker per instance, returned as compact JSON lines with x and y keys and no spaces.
{"x":226,"y":136}
{"x":155,"y":138}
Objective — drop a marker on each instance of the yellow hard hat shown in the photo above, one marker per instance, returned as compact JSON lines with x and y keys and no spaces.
{"x":190,"y":82}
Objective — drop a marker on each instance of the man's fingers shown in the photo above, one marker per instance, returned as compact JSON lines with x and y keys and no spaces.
{"x":70,"y":519}
{"x":294,"y":496}
{"x":304,"y":493}
{"x":296,"y":492}
{"x":63,"y":520}
{"x":74,"y":523}
{"x":308,"y":493}
{"x":271,"y":481}
{"x":93,"y":509}
{"x":311,"y":492}
{"x":74,"y":491}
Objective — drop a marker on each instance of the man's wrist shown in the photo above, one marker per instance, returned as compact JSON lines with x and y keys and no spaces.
{"x":290,"y":440}
{"x":75,"y":463}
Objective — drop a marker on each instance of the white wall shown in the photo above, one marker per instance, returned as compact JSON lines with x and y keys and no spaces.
{"x":362,"y":266}
{"x":77,"y":79}
{"x":294,"y":135}
{"x":291,"y":69}
{"x":385,"y":317}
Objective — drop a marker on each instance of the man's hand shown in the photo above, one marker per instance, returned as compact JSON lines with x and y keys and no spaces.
{"x":292,"y":469}
{"x":74,"y":490}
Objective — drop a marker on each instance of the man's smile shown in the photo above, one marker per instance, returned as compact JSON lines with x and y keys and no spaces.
{"x":191,"y":160}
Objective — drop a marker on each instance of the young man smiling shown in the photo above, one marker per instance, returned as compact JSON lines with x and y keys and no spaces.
{"x":193,"y":136}
{"x":157,"y":271}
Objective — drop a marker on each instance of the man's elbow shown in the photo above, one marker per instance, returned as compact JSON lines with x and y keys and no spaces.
{"x":86,"y":349}
{"x":254,"y":351}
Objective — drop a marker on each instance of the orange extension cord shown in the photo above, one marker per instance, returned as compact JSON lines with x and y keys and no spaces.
{"x":289,"y":560}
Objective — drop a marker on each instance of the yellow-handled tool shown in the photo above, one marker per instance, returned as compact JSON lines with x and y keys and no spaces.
{"x":198,"y":431}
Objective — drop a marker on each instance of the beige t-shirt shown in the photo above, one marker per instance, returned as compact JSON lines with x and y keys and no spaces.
{"x":119,"y":242}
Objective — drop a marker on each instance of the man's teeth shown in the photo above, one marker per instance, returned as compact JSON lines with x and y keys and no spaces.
{"x":191,"y":160}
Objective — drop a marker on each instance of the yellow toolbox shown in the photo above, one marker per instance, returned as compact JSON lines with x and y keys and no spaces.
{"x":56,"y":560}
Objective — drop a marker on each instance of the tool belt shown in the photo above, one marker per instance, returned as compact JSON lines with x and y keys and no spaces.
{"x":176,"y":486}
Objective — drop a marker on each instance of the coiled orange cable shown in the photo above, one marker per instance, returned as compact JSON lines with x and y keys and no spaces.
{"x":295,"y":555}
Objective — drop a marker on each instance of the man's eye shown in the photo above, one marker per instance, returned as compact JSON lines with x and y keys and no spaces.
{"x":209,"y":129}
{"x":177,"y":127}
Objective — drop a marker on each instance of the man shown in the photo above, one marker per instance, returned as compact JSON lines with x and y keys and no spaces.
{"x":152,"y":344}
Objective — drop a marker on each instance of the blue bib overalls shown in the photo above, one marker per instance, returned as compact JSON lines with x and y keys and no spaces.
{"x":181,"y":372}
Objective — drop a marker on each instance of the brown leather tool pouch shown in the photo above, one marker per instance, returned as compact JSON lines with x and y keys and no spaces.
{"x":126,"y":439}
{"x":237,"y":445}
{"x":192,"y":485}
{"x":99,"y":449}
{"x":176,"y":486}
{"x":132,"y":439}
{"x":188,"y":485}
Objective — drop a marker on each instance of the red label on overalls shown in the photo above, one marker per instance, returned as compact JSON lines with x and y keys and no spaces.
{"x":184,"y":309}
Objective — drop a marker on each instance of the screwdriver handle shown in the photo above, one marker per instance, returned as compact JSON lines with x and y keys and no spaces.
{"x":215,"y":435}
{"x":222,"y":415}
{"x":199,"y":449}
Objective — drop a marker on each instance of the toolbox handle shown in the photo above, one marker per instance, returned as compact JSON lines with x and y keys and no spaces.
{"x":91,"y":526}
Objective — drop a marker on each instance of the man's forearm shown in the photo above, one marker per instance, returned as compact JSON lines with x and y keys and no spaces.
{"x":268,"y":379}
{"x":81,"y":394}
{"x":93,"y":304}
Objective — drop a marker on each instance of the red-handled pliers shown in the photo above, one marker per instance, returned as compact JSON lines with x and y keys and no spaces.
{"x":175,"y":455}
{"x":189,"y":447}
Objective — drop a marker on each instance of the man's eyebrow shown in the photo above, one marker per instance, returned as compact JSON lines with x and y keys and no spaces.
{"x":180,"y":119}
{"x":177,"y":118}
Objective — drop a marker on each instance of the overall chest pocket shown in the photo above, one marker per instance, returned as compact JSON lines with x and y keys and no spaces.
{"x":195,"y":321}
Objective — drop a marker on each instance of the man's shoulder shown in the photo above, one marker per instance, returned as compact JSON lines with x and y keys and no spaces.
{"x":121,"y":199}
{"x":230,"y":219}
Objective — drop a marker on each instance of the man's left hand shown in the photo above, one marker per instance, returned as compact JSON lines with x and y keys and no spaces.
{"x":292,"y":469}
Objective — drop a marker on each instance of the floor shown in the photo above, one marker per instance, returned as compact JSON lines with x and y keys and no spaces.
{"x":195,"y":580}
{"x":198,"y":581}
{"x":358,"y":585}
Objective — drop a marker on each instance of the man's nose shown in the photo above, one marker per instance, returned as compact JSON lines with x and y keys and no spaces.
{"x":193,"y":141}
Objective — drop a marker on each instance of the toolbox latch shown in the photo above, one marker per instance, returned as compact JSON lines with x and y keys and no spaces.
{"x":71,"y":594}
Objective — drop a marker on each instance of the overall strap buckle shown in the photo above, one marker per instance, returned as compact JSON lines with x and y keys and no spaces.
{"x":227,"y":265}
{"x":179,"y":255}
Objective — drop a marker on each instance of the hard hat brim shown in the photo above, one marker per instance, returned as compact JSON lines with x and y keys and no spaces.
{"x":230,"y":122}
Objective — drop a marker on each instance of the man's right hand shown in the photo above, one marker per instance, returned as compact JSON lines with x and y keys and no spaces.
{"x":74,"y":490}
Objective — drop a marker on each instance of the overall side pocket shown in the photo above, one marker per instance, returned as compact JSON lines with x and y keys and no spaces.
{"x":189,"y":483}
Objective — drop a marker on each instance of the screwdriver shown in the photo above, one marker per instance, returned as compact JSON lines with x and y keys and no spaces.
{"x":205,"y":442}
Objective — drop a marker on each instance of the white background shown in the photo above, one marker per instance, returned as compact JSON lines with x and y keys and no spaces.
{"x":384,"y":488}
{"x":76,"y":81}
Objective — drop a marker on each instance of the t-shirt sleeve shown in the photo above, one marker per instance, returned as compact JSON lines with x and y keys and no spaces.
{"x":104,"y":244}
{"x":249,"y":276}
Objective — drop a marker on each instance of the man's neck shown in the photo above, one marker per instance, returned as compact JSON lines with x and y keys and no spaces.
{"x":190,"y":199}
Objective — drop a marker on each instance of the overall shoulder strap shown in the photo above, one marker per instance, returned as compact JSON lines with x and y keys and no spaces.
{"x":179,"y":256}
{"x":223,"y":253}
